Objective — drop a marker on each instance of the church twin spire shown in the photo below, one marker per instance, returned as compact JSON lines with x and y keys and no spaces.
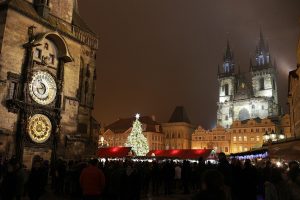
{"x":262,"y":58}
{"x":228,"y":62}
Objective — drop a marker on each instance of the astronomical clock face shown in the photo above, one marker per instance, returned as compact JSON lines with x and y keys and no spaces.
{"x":42,"y":88}
{"x":39,"y":128}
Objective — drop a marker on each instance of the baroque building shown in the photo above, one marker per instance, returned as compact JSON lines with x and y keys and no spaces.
{"x":242,"y":136}
{"x":47,"y":79}
{"x":246,"y":96}
{"x":218,"y":139}
{"x":178,"y":130}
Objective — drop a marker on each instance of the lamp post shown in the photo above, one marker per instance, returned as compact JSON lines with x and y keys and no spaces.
{"x":266,"y":137}
{"x":102,"y":142}
{"x":273,"y":137}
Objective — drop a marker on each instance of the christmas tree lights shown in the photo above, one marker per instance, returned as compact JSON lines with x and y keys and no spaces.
{"x":136,"y":139}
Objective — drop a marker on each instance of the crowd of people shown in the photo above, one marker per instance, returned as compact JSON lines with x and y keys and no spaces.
{"x":134,"y":180}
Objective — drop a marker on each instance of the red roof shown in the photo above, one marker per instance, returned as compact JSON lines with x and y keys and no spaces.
{"x":182,"y":153}
{"x":113,"y":152}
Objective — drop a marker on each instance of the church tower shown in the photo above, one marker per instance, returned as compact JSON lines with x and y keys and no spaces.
{"x":264,"y":84}
{"x":263,"y":72}
{"x":227,"y":82}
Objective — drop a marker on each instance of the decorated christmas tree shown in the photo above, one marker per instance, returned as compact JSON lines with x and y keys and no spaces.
{"x":136,"y":139}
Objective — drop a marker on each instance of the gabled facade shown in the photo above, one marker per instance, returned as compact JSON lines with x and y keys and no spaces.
{"x":246,"y":96}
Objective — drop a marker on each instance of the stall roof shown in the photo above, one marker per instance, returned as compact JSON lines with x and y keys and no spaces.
{"x":181,"y":153}
{"x":113,"y":152}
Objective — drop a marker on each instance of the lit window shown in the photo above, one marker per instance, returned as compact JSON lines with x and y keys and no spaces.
{"x":245,"y":138}
{"x":240,"y":138}
{"x":252,"y":139}
{"x":240,"y":148}
{"x":257,"y":138}
{"x":245,"y":149}
{"x":234,"y":138}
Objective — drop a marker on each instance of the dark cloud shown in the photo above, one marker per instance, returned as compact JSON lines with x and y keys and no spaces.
{"x":157,"y":54}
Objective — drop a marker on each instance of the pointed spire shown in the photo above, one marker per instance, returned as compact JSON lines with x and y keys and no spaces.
{"x":261,"y":44}
{"x":275,"y":64}
{"x":251,"y":65}
{"x":228,"y":53}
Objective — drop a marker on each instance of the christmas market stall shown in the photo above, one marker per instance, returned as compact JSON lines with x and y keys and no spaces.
{"x":113,"y":152}
{"x":253,"y":154}
{"x":191,"y":154}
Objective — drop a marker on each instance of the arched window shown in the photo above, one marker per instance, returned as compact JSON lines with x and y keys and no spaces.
{"x":226,"y":88}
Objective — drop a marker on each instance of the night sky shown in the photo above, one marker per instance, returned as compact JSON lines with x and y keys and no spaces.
{"x":157,"y":54}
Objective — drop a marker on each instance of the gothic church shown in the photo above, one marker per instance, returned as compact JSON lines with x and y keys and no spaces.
{"x":252,"y":95}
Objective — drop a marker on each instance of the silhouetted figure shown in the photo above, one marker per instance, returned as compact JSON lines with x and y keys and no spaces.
{"x":92,"y":181}
{"x":213,"y":186}
{"x":8,"y":189}
{"x":36,"y":181}
{"x":249,"y":181}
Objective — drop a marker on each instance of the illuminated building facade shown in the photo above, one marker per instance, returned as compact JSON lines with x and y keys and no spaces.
{"x":241,"y":136}
{"x":217,"y":139}
{"x":294,"y":98}
{"x":178,"y":131}
{"x":241,"y":98}
{"x":47,"y":80}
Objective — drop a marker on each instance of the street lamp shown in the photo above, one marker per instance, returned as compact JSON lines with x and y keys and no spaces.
{"x":281,"y":135}
{"x":273,"y":136}
{"x":266,"y":136}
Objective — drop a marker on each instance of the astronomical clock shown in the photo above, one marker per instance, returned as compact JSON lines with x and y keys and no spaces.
{"x":47,"y":80}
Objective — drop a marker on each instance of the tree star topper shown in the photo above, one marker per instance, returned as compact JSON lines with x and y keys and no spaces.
{"x":137,"y":116}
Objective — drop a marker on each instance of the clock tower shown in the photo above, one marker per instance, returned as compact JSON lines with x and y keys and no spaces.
{"x":47,"y":80}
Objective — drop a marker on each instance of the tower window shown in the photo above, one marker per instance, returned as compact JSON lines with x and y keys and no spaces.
{"x":226,"y":87}
{"x":261,"y":84}
{"x":273,"y":83}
